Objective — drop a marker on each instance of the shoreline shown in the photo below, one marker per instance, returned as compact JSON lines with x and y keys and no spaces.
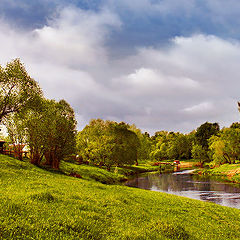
{"x":229,"y":173}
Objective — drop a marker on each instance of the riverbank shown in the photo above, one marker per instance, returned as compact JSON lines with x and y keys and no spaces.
{"x":118,"y":174}
{"x":115,"y":176}
{"x":193,"y":186}
{"x":226,"y":172}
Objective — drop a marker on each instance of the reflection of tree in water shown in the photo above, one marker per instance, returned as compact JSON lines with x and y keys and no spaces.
{"x":215,"y":184}
{"x":191,"y":186}
{"x":171,"y":182}
{"x":206,"y":190}
{"x":140,"y":182}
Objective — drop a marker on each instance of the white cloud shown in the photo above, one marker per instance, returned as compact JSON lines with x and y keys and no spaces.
{"x":153,"y":82}
{"x":193,"y":80}
{"x":200,"y":108}
{"x":77,"y":35}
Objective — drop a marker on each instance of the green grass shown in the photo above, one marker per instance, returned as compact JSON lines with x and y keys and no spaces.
{"x":227,"y":172}
{"x":116,"y":175}
{"x":131,"y":170}
{"x":39,"y":204}
{"x":92,"y":173}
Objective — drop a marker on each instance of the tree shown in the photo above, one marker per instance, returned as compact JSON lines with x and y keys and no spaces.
{"x":179,"y":146}
{"x":200,"y":147}
{"x":204,"y":132}
{"x":17,"y":89}
{"x":170,"y":145}
{"x":235,"y":125}
{"x":61,"y":137}
{"x":226,"y":147}
{"x":107,"y":143}
{"x":160,"y":140}
{"x":95,"y":143}
{"x":217,"y":151}
{"x":16,"y":133}
{"x":50,"y":132}
{"x":145,"y":143}
{"x":199,"y":153}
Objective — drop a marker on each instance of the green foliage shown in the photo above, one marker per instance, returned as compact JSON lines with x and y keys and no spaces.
{"x":171,"y":146}
{"x":226,"y":147}
{"x":51,"y":132}
{"x":46,"y":126}
{"x":235,"y":125}
{"x":61,"y":138}
{"x":17,"y":89}
{"x":38,"y":204}
{"x":145,"y":143}
{"x":48,"y":130}
{"x":217,"y":150}
{"x":106,"y":143}
{"x":199,"y":153}
{"x":134,"y":170}
{"x":204,"y":132}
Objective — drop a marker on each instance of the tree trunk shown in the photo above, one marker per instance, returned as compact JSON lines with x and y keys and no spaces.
{"x":35,"y":158}
{"x":48,"y":157}
{"x":55,"y":163}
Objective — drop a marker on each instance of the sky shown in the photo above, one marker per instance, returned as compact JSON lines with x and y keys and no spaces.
{"x":160,"y":64}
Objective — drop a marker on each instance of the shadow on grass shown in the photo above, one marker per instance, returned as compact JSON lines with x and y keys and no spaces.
{"x":52,"y":170}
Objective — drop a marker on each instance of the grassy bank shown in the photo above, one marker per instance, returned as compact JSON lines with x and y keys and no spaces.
{"x":40,"y":204}
{"x":141,"y":168}
{"x":116,"y":175}
{"x":92,"y":173}
{"x":227,"y":172}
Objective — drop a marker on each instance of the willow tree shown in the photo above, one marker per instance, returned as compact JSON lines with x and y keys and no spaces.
{"x":17,"y":89}
{"x":107,"y":143}
{"x":204,"y":132}
{"x":60,"y":140}
{"x":51,"y":132}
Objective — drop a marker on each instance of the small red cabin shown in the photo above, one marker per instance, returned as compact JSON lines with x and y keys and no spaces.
{"x":176,"y":162}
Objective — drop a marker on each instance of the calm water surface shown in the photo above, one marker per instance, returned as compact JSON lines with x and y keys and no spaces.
{"x":192,"y":186}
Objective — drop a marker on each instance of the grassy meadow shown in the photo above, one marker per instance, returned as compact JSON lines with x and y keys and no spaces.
{"x":39,"y":204}
{"x":227,"y":172}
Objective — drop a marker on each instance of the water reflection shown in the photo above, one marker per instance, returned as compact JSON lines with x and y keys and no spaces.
{"x":185,"y":184}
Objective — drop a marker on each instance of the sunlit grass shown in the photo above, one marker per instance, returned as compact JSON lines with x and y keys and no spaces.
{"x":228,"y":172}
{"x":39,"y":204}
{"x":92,"y":173}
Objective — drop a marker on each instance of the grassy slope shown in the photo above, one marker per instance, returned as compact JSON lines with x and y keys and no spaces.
{"x":229,"y":172}
{"x":92,"y":173}
{"x":36,"y":204}
{"x":116,"y":175}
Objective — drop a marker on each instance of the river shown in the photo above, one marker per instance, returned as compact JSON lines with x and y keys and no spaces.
{"x":188,"y":185}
